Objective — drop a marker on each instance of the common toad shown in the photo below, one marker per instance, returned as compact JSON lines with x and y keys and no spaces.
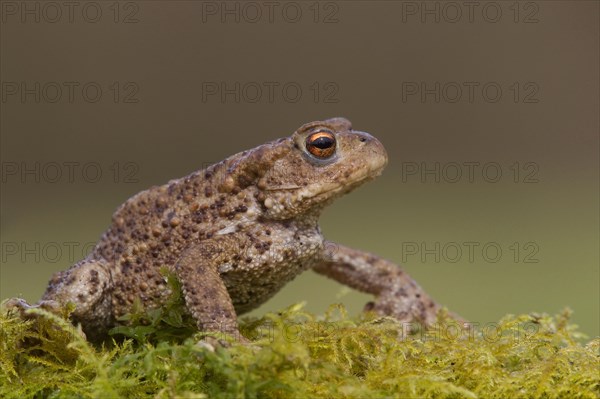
{"x":235,"y":233}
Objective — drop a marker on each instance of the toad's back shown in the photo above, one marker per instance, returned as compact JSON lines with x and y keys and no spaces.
{"x":151,"y":229}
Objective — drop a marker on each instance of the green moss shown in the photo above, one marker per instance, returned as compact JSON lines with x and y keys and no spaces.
{"x":297,"y":354}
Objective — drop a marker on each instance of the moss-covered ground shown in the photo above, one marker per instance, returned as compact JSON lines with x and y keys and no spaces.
{"x":297,"y":354}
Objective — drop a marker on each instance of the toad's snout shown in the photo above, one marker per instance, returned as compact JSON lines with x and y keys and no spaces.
{"x":374,"y":153}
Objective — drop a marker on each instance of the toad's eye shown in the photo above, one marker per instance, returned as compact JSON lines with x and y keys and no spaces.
{"x":321,"y":144}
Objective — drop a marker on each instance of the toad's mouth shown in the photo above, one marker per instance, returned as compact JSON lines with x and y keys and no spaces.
{"x":342,"y":185}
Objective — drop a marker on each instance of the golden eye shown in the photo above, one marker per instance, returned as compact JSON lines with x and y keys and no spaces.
{"x":321,"y":144}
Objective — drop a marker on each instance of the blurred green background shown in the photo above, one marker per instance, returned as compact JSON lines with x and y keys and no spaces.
{"x":158,"y":64}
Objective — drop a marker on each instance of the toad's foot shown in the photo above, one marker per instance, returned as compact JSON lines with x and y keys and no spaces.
{"x":21,"y":306}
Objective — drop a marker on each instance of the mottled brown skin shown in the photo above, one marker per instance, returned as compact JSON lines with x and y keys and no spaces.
{"x":234,"y":234}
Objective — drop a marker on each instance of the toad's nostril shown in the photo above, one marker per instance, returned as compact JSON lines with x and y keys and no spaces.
{"x":363,"y":139}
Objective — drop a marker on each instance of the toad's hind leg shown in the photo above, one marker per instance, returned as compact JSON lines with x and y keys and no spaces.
{"x":87,"y":284}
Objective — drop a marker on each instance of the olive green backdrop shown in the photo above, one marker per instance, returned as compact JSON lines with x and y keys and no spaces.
{"x":489,"y":112}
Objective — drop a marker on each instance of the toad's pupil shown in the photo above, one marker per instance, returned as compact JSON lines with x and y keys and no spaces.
{"x":322,"y":142}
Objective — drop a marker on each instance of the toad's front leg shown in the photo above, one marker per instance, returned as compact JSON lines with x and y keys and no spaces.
{"x":397,"y":294}
{"x":205,"y":294}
